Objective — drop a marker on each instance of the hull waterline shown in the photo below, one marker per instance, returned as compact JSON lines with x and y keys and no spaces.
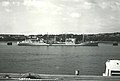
{"x":39,"y":44}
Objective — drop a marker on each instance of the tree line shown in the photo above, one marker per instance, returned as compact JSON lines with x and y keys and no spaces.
{"x":62,"y":37}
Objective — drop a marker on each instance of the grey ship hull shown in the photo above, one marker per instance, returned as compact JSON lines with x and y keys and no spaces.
{"x":32,"y":44}
{"x":39,"y":44}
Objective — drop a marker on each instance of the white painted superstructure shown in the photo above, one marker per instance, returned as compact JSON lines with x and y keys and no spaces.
{"x":112,"y":68}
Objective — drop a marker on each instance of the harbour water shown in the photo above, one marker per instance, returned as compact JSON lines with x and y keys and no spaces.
{"x":56,"y":59}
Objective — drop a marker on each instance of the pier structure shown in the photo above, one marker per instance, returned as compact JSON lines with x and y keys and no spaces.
{"x":49,"y":77}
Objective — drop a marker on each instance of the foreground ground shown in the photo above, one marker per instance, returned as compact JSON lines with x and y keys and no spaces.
{"x":48,"y":77}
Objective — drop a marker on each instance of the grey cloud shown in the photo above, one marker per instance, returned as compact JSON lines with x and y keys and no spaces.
{"x":60,"y":15}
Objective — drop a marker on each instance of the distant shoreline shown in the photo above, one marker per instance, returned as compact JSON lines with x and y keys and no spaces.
{"x":102,"y":37}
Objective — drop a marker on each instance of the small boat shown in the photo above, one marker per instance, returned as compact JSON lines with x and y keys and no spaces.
{"x":112,"y":68}
{"x":9,"y":43}
{"x":115,"y":43}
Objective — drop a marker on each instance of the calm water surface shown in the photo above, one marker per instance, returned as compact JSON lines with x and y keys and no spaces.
{"x":56,"y":59}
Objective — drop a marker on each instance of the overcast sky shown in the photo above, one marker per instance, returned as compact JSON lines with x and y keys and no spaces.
{"x":59,"y":16}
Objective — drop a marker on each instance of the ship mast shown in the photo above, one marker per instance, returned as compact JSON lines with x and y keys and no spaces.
{"x":47,"y":37}
{"x":83,"y":39}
